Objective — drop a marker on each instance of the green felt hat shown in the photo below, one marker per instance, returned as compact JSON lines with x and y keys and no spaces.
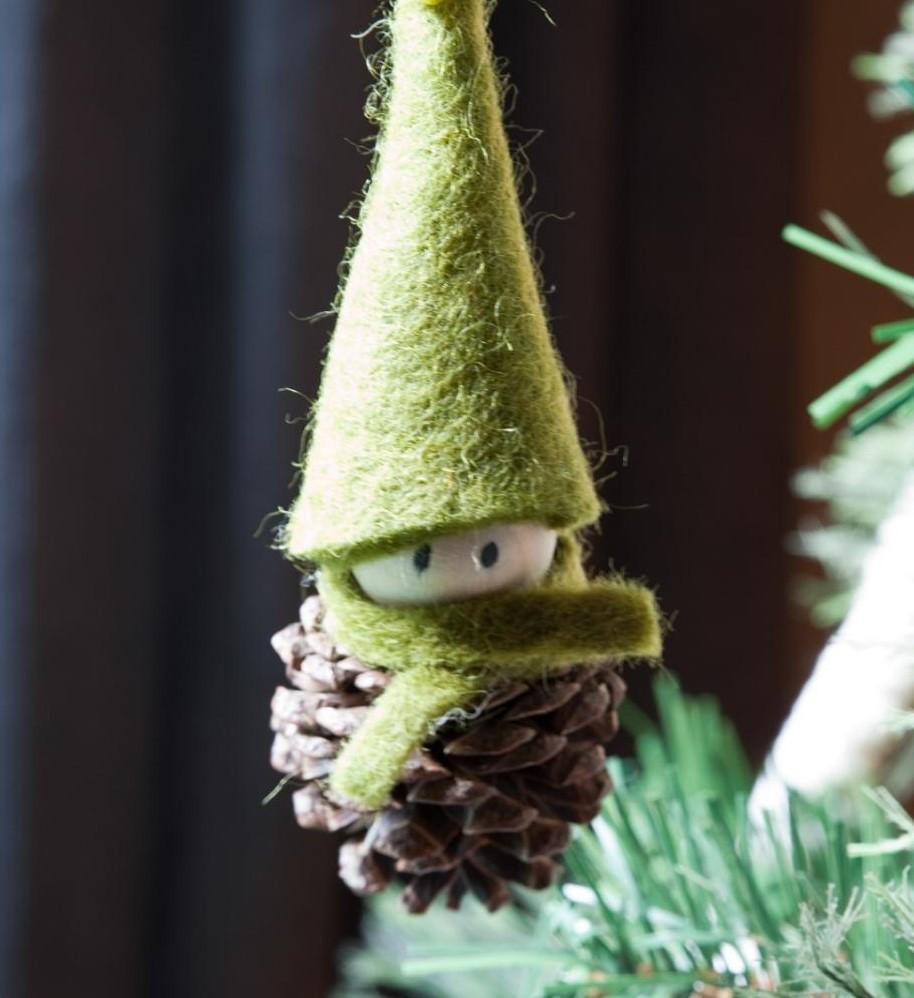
{"x":443,"y":405}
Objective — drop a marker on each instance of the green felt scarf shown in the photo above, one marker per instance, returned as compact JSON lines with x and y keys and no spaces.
{"x":517,"y":634}
{"x":445,"y":654}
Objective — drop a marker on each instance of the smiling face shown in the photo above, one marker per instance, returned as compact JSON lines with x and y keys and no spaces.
{"x":493,"y":559}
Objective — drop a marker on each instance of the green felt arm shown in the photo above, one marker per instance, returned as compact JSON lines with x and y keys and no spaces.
{"x":371,"y":762}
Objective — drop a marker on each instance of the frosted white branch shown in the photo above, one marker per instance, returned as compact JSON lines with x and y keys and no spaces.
{"x":844,"y":723}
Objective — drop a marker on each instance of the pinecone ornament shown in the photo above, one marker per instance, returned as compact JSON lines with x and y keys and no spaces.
{"x":441,"y":500}
{"x":487,"y":801}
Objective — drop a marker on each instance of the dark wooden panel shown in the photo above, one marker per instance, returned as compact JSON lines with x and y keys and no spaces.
{"x":249,"y":904}
{"x":568,"y":78}
{"x":92,"y":652}
{"x":704,"y":368}
{"x":18,"y":113}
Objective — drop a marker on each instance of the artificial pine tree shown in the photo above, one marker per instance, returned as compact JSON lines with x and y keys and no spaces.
{"x":678,"y":890}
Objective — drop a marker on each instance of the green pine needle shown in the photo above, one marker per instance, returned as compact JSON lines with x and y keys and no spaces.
{"x":888,"y":331}
{"x":885,"y":366}
{"x":884,"y":405}
{"x":836,"y":402}
{"x":857,"y":263}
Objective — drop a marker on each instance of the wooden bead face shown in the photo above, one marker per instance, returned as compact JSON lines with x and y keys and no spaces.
{"x":460,"y":566}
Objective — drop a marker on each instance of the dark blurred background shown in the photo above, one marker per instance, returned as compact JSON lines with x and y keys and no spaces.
{"x":170,"y":180}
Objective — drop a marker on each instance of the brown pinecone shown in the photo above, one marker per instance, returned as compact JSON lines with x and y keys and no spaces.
{"x":489,"y":801}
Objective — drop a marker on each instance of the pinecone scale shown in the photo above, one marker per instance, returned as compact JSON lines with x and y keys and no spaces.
{"x":489,"y":801}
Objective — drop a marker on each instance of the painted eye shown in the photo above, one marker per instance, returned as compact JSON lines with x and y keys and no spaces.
{"x":460,"y":566}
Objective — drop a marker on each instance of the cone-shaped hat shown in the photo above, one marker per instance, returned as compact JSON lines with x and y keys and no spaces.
{"x":443,"y":404}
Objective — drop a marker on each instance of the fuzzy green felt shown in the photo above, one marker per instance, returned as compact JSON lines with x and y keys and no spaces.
{"x":511,"y":635}
{"x":443,"y":404}
{"x":400,"y":721}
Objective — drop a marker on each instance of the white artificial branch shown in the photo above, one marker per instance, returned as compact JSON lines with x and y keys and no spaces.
{"x":843,"y":727}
